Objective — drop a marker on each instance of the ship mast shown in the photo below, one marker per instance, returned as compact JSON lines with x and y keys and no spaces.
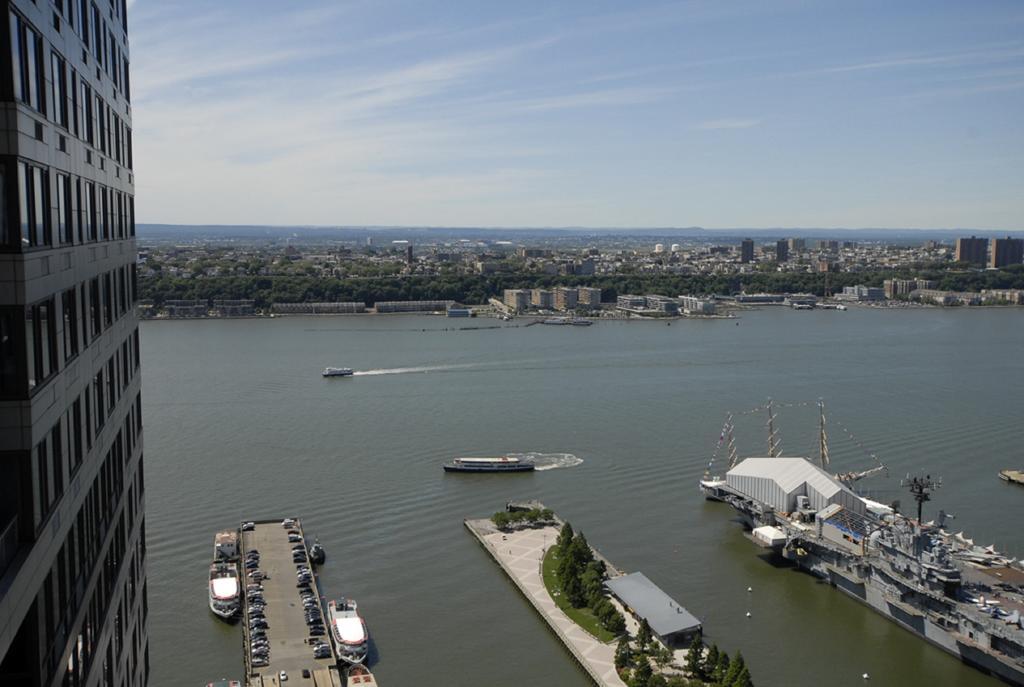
{"x":773,"y":440}
{"x":822,"y":436}
{"x":733,"y":457}
{"x":920,"y":488}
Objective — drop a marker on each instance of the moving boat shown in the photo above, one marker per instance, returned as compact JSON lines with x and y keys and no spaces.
{"x":224,"y":590}
{"x":498,"y":464}
{"x":338,"y":372}
{"x":348,"y":630}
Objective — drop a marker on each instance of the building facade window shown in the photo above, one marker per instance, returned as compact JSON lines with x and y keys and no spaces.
{"x":27,"y":64}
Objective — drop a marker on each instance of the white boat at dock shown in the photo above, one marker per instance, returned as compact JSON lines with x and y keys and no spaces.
{"x":348,"y":630}
{"x":223,"y":590}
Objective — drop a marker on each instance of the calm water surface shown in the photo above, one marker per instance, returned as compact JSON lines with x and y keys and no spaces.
{"x":239,"y":425}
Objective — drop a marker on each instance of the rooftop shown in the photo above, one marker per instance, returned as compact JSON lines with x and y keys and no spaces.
{"x":663,"y":613}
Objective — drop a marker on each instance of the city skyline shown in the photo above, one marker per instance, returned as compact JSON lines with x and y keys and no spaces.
{"x":661,"y":115}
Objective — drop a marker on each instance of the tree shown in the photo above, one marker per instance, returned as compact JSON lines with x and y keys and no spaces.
{"x":643,"y":635}
{"x":657,"y":680}
{"x":743,"y":679}
{"x":623,"y":653}
{"x":695,"y":665}
{"x":593,"y":586}
{"x":500,"y":519}
{"x":564,"y":539}
{"x":711,"y":663}
{"x":721,"y":669}
{"x":662,"y":656}
{"x":573,"y":589}
{"x":641,"y":675}
{"x":736,"y":667}
{"x":616,"y":624}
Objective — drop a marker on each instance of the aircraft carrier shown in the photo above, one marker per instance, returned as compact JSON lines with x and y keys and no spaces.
{"x":965,"y":599}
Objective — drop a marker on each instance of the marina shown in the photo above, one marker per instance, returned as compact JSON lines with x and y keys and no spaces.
{"x":277,"y":640}
{"x":692,"y":548}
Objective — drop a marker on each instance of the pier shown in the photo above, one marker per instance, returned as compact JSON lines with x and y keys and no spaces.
{"x":291,"y":648}
{"x":519,"y":554}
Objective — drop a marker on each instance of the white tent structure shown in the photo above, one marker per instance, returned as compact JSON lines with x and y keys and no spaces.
{"x":779,"y":481}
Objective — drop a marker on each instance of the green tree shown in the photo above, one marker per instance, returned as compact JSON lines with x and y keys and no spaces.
{"x":662,"y":656}
{"x":641,"y":675}
{"x":695,"y":665}
{"x":736,"y":668}
{"x":657,"y":680}
{"x":573,"y":590}
{"x":721,"y":669}
{"x":743,"y":679}
{"x":623,"y":653}
{"x":643,"y":635}
{"x":500,"y":519}
{"x":711,"y":663}
{"x":593,"y":586}
{"x":616,"y":624}
{"x":564,"y":539}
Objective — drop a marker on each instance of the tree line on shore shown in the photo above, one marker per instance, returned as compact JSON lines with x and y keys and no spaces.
{"x":267,"y":290}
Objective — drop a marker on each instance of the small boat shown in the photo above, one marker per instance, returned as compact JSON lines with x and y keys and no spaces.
{"x":555,"y":321}
{"x":338,"y":372}
{"x":224,"y":590}
{"x":584,"y":323}
{"x":360,"y":675}
{"x":498,"y":464}
{"x":348,"y":630}
{"x":316,"y":553}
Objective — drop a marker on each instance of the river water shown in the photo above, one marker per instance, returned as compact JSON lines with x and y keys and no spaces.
{"x":240,"y":425}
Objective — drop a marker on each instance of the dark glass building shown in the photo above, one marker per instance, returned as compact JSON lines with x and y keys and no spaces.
{"x":72,"y":533}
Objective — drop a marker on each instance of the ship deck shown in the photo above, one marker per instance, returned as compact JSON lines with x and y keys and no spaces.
{"x":287,"y":633}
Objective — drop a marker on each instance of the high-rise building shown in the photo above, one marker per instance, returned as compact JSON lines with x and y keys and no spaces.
{"x":781,"y":250}
{"x":590,"y":297}
{"x":747,"y":250}
{"x":972,"y":250}
{"x":796,"y":245}
{"x":542,"y":298}
{"x":72,"y":544}
{"x":1007,"y":252}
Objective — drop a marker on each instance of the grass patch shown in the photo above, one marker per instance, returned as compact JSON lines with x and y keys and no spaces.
{"x":583,"y":617}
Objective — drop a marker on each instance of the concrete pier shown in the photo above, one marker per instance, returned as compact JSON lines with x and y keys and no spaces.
{"x":290,"y":648}
{"x":520,"y":555}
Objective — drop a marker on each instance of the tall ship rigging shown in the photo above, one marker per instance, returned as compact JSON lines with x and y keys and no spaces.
{"x":965,"y":599}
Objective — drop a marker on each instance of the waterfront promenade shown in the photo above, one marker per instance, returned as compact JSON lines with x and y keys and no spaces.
{"x":520,"y":555}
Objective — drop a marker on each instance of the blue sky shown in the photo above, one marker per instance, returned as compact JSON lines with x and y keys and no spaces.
{"x":590,"y":113}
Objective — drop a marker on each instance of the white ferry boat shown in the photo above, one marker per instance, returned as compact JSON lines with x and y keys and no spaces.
{"x":498,"y":464}
{"x":338,"y":372}
{"x":224,"y":590}
{"x":348,"y":630}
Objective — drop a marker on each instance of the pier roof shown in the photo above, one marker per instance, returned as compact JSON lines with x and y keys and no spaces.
{"x":663,"y":613}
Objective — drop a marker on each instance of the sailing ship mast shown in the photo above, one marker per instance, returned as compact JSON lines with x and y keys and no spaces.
{"x":823,"y":457}
{"x":773,"y":440}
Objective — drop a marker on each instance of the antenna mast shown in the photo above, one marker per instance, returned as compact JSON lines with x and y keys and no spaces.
{"x":920,"y":488}
{"x":823,"y":456}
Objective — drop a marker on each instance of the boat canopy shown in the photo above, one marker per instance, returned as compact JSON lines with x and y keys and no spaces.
{"x":224,"y":587}
{"x":350,"y":629}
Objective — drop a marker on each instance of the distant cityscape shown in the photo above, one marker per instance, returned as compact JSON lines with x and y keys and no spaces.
{"x":588,"y":275}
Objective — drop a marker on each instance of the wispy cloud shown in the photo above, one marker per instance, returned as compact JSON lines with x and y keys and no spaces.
{"x":729,"y":123}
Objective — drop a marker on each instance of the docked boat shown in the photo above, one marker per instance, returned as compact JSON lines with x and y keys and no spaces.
{"x":497,"y":464}
{"x":317,"y":554}
{"x":348,"y":630}
{"x":224,"y":590}
{"x":360,"y":675}
{"x":582,"y":323}
{"x":338,"y":372}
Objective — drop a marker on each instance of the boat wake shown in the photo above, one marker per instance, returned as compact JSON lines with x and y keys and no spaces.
{"x":413,"y":370}
{"x":549,"y":461}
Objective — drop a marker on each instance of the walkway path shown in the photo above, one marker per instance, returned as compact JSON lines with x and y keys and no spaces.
{"x":521,"y":555}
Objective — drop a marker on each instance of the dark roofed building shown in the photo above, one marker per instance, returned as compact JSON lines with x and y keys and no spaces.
{"x":673,"y":625}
